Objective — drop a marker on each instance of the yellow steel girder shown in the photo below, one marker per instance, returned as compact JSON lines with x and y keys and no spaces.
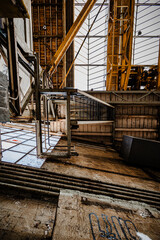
{"x":70,"y":35}
{"x":119,"y":49}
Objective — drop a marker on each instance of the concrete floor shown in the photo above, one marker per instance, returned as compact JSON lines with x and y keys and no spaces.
{"x":25,"y":218}
{"x":84,"y":216}
{"x":104,"y":164}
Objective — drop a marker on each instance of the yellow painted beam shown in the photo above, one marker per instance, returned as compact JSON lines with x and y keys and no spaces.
{"x":132,"y":4}
{"x":119,"y":49}
{"x":70,"y":35}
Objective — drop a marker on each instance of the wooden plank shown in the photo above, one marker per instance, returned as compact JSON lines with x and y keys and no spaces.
{"x":90,"y":134}
{"x":95,"y":122}
{"x":136,"y":129}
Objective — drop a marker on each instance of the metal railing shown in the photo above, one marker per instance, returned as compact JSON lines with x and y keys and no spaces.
{"x":85,"y":107}
{"x":80,"y":106}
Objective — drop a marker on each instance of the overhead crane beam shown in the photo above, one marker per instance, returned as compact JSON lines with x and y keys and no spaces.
{"x":70,"y":35}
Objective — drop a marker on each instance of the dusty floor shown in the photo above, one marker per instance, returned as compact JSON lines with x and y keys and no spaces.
{"x":25,"y":218}
{"x":84,"y":216}
{"x":81,"y":216}
{"x":104,"y":164}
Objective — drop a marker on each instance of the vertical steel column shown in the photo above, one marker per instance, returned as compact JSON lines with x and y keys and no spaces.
{"x":135,"y":30}
{"x":38,"y":106}
{"x":128,"y":48}
{"x":64,"y":24}
{"x":12,"y":65}
{"x":70,"y":51}
{"x":114,"y":126}
{"x":113,"y":46}
{"x":119,"y":50}
{"x":68,"y":124}
{"x":56,"y":41}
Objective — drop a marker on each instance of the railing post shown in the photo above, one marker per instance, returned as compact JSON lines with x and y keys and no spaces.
{"x":68,"y":125}
{"x":114,"y":125}
{"x":38,"y":106}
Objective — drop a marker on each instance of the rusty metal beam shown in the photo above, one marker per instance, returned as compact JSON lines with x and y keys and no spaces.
{"x":70,"y":35}
{"x":70,"y":51}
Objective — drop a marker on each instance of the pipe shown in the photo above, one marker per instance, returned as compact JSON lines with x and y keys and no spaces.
{"x":34,"y":190}
{"x":82,"y":186}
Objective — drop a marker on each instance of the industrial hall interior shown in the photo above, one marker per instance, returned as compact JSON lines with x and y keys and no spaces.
{"x":79,"y":119}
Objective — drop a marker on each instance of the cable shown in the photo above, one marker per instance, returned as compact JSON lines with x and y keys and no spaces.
{"x":148,"y":13}
{"x":91,"y":79}
{"x":82,"y":44}
{"x":148,"y":44}
{"x":96,"y":83}
{"x":99,"y":60}
{"x":147,"y":49}
{"x":145,"y":40}
{"x":101,"y":12}
{"x":150,"y":25}
{"x":96,"y":50}
{"x":146,"y":55}
{"x":14,"y":98}
{"x":147,"y":61}
{"x":96,"y":72}
{"x":99,"y":54}
{"x":80,"y":71}
{"x":147,"y":6}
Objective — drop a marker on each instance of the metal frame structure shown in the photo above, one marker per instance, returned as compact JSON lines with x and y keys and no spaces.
{"x":48,"y":32}
{"x":80,"y":106}
{"x":91,"y":62}
{"x":51,"y":94}
{"x":17,"y":55}
{"x":120,"y":35}
{"x":127,"y":35}
{"x":101,"y":64}
{"x":70,"y":35}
